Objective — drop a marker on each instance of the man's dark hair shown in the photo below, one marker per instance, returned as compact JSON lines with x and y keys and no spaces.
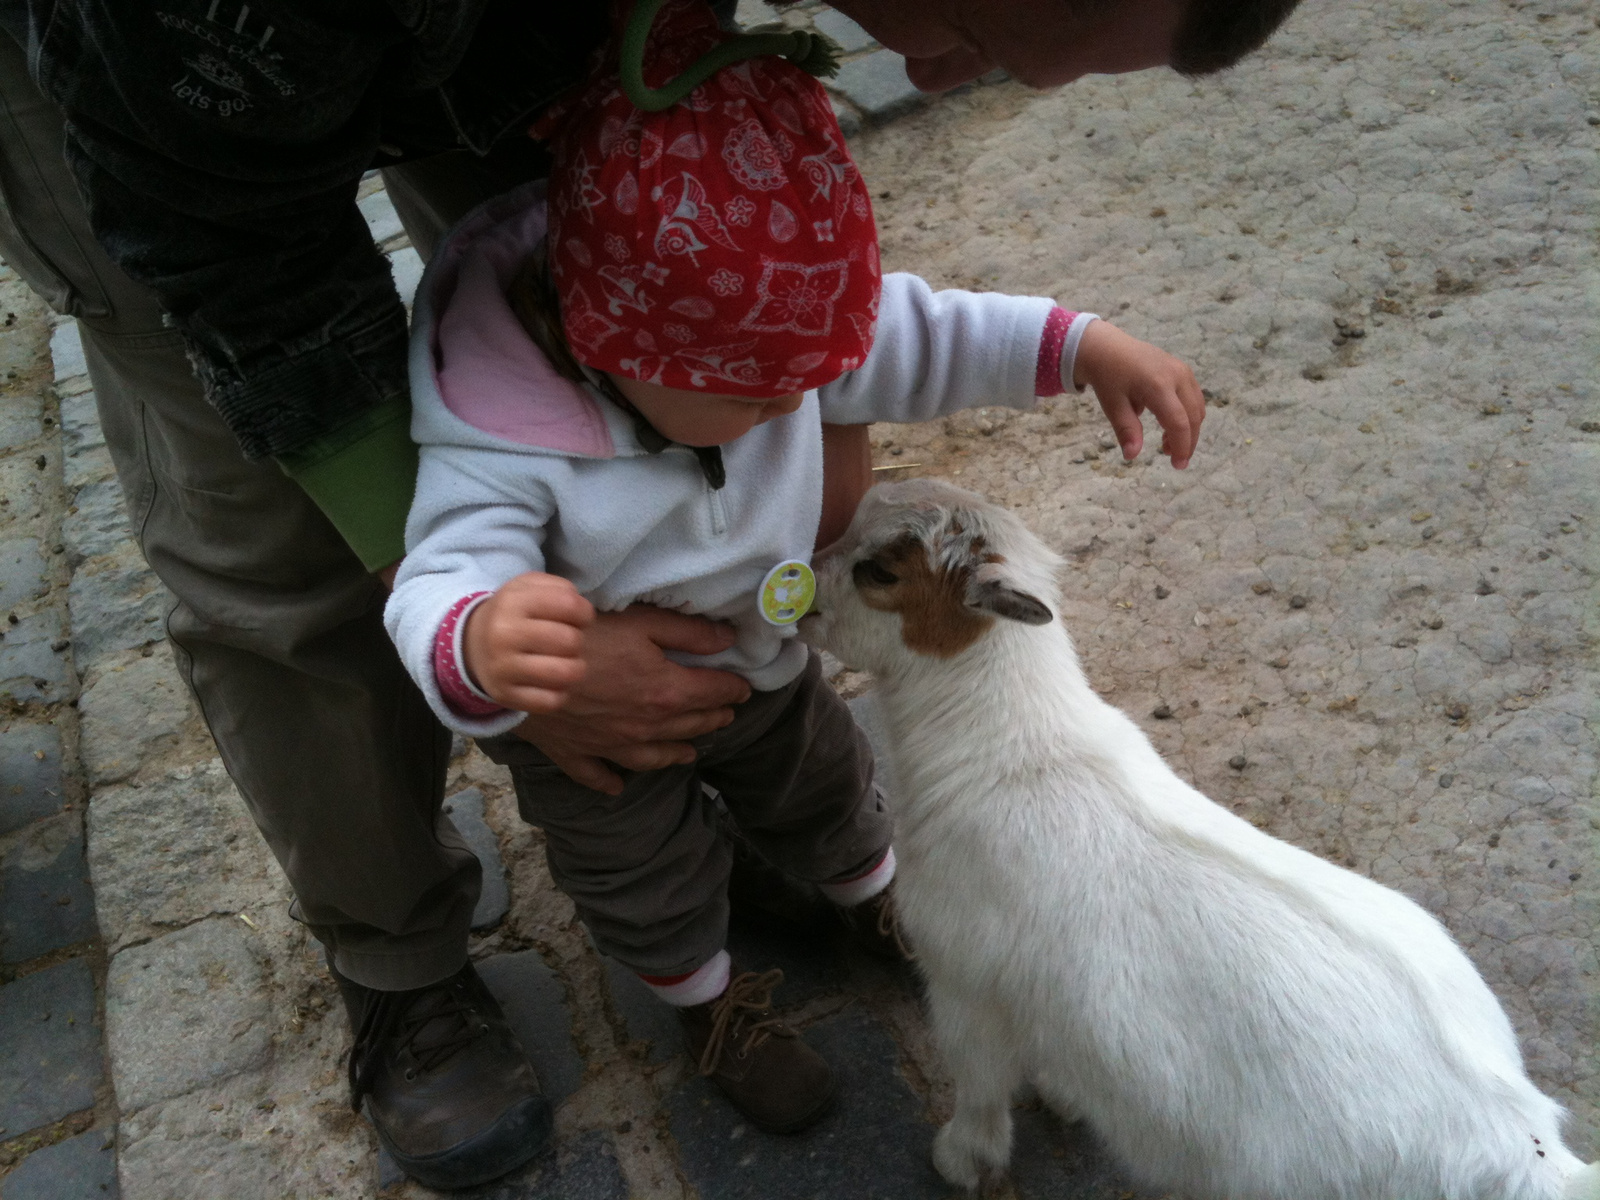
{"x":1215,"y":34}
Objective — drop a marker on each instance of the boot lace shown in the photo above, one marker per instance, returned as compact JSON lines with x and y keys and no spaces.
{"x":885,"y":916}
{"x":745,"y":1009}
{"x":401,"y":1018}
{"x":889,"y":923}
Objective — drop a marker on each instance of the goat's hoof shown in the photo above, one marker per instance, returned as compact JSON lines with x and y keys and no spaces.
{"x":964,"y":1164}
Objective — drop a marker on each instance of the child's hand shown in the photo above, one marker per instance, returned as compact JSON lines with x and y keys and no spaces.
{"x":524,"y":645}
{"x":1129,"y":376}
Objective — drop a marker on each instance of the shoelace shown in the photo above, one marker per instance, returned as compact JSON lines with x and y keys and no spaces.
{"x":401,"y":1017}
{"x":886,"y":921}
{"x":748,"y":995}
{"x":889,"y":924}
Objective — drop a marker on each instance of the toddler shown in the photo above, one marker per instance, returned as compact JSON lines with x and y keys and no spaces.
{"x":619,"y":386}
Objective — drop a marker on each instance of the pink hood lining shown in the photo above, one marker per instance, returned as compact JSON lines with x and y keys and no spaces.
{"x":487,"y":369}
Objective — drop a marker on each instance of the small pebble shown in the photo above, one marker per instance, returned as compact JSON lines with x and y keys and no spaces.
{"x":1148,"y":538}
{"x":1456,"y":712}
{"x":1261,"y":587}
{"x":1161,"y":712}
{"x":1446,"y":780}
{"x":1280,"y":662}
{"x":41,"y":462}
{"x":1161,"y":592}
{"x":1435,"y":312}
{"x":1298,"y":601}
{"x":1359,"y":544}
{"x":1433,"y":622}
{"x":1427,"y":534}
{"x":1485,"y":588}
{"x":1238,"y":762}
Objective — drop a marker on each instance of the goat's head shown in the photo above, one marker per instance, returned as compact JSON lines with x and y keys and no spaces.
{"x":924,"y":571}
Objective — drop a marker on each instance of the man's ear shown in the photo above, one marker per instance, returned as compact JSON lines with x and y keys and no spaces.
{"x":999,"y":599}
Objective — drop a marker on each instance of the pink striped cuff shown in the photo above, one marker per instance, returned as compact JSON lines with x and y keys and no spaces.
{"x":847,"y":893}
{"x":1058,"y":351}
{"x":449,"y":673}
{"x":699,"y":986}
{"x":1047,"y":376}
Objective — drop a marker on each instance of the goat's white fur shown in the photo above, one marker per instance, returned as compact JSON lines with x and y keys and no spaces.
{"x":1233,"y":1016}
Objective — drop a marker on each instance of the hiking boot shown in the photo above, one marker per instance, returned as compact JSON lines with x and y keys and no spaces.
{"x":781,"y":1084}
{"x":875,"y":926}
{"x":444,"y":1080}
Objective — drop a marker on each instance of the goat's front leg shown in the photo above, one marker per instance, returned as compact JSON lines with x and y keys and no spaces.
{"x":982,"y":1056}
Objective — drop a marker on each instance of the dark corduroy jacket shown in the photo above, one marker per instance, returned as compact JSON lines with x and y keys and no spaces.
{"x":218,"y":145}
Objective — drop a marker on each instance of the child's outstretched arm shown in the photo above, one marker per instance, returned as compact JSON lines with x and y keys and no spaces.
{"x":1129,"y":377}
{"x":939,"y":352}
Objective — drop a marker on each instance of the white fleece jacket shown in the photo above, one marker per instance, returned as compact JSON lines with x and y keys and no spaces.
{"x":627,"y":526}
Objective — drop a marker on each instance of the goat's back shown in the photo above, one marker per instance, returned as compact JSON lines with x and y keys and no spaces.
{"x":1234,"y":1015}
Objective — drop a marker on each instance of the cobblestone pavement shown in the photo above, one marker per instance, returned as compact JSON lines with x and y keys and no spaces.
{"x":1365,"y":619}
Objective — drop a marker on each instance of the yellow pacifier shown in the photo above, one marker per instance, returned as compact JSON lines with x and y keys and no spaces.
{"x":787,"y":592}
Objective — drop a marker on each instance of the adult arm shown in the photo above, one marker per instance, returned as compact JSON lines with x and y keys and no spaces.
{"x":846,"y":476}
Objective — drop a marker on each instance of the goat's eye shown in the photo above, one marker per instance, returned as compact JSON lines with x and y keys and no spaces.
{"x":872,"y":573}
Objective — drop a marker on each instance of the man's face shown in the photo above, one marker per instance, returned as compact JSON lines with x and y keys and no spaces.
{"x":1042,"y":43}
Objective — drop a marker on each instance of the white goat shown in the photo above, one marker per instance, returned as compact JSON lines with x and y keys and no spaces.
{"x":1233,"y":1016}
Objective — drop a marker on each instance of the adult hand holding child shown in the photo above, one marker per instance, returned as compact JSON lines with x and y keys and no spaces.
{"x":634,"y":706}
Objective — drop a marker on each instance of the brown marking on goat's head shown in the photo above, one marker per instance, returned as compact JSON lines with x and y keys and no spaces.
{"x":977,"y":547}
{"x":935,"y":619}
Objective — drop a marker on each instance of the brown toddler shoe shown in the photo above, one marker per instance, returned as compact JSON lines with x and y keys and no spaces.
{"x":875,"y":926}
{"x":781,"y":1084}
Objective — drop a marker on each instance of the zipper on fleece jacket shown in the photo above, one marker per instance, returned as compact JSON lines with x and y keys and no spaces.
{"x":719,"y":509}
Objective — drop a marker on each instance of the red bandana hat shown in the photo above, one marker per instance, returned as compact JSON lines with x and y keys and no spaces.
{"x":725,"y":244}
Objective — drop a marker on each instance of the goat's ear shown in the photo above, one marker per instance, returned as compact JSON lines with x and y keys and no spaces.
{"x":998,"y":599}
{"x":1012,"y":604}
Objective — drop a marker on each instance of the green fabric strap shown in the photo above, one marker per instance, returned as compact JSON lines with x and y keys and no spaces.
{"x":813,"y":53}
{"x":364,"y":486}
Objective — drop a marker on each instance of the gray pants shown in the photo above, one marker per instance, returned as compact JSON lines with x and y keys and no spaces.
{"x":648,"y":870}
{"x":277,"y":627}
